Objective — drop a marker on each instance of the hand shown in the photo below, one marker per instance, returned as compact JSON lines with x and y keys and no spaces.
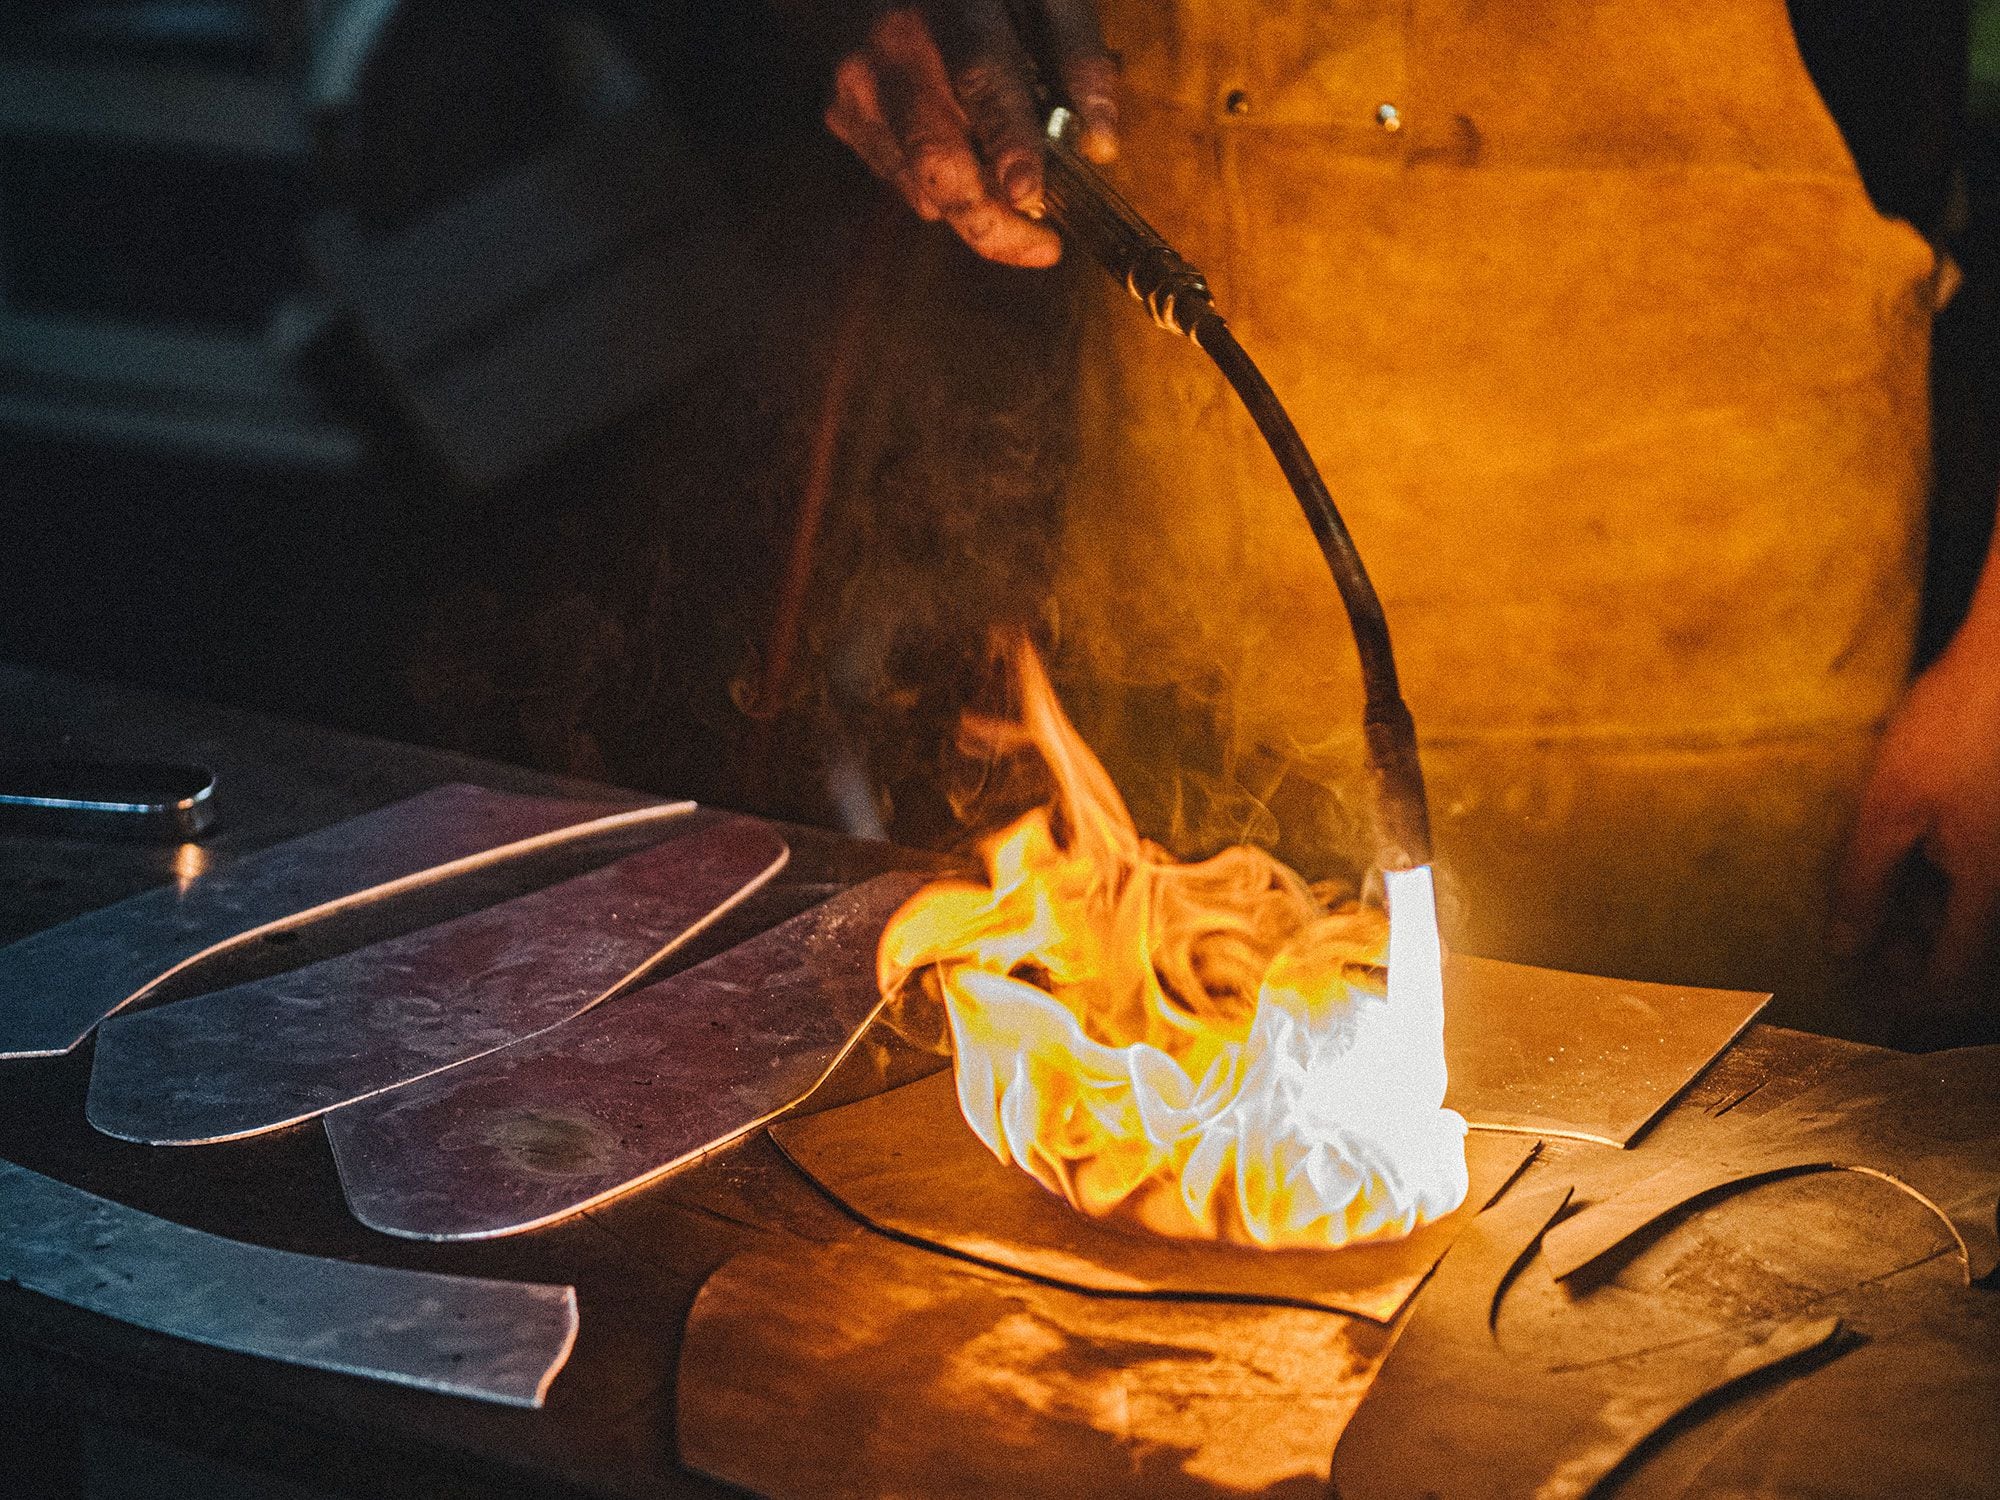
{"x":1934,"y":796}
{"x":939,"y":101}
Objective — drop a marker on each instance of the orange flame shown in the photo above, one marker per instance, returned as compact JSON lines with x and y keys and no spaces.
{"x":1203,"y":1049}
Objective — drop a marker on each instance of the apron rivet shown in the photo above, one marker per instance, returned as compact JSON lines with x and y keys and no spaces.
{"x":1388,"y":117}
{"x":1237,"y":102}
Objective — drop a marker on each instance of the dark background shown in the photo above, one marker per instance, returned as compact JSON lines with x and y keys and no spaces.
{"x":208,"y":484}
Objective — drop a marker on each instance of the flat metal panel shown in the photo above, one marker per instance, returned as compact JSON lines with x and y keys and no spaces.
{"x":258,"y":1056}
{"x":499,"y":1341}
{"x":907,"y":1163}
{"x":1930,"y":1124}
{"x":56,"y":985}
{"x":1455,"y":1413}
{"x":649,"y":1080}
{"x":1574,"y":1055}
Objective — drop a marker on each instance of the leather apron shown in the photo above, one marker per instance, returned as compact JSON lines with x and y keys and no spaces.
{"x":1621,"y":383}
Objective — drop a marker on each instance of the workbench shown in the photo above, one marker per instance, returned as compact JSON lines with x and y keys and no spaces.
{"x":93,"y":1401}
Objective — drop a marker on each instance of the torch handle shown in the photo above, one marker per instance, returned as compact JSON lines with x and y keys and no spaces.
{"x":1098,"y":220}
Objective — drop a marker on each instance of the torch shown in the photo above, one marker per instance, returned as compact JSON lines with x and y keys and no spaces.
{"x":1094,"y":217}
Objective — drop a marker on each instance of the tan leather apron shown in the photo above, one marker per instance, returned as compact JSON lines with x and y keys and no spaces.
{"x":1620,"y":381}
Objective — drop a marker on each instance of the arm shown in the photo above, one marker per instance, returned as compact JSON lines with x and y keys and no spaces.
{"x":938,"y":100}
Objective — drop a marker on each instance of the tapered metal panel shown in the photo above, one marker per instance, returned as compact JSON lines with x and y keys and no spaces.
{"x":499,"y":1341}
{"x":270,"y":1053}
{"x":58,"y":984}
{"x":643,"y":1083}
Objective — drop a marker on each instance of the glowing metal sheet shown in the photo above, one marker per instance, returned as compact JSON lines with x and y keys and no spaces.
{"x":499,"y":1341}
{"x":1452,"y":1413}
{"x":868,"y":1367}
{"x":907,"y":1163}
{"x":1573,"y":1055}
{"x":258,"y":1056}
{"x":1930,"y":1124}
{"x":58,"y":984}
{"x":618,"y":1097}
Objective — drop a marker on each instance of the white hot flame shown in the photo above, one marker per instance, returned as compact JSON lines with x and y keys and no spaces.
{"x":1201,"y":1049}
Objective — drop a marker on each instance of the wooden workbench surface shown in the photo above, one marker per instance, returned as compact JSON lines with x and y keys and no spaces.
{"x":82,"y":1386}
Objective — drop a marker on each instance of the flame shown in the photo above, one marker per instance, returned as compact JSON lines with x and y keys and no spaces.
{"x":1201,"y":1049}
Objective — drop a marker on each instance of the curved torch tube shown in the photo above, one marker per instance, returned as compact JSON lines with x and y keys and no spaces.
{"x":1099,"y":221}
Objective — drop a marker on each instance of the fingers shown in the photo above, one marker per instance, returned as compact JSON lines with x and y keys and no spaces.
{"x":1969,"y":913}
{"x":1089,"y":74}
{"x":855,"y":118}
{"x":1884,"y":834}
{"x":991,"y":76}
{"x":948,"y":144}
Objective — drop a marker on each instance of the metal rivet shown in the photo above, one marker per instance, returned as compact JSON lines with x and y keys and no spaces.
{"x":1388,"y":117}
{"x":1237,"y":102}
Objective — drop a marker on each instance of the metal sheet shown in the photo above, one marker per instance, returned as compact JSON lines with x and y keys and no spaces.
{"x":499,"y":1341}
{"x":537,"y":1131}
{"x":1930,"y":1124}
{"x":907,"y":1163}
{"x":1556,"y":1054}
{"x":258,"y":1056}
{"x":58,"y":984}
{"x":1914,"y":1411}
{"x":869,"y":1367}
{"x":1825,"y":1244}
{"x":1454,"y":1413}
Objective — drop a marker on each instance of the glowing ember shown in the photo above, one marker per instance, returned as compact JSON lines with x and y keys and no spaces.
{"x":1203,"y":1049}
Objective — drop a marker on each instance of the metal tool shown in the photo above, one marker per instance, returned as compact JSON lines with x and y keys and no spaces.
{"x":98,"y":799}
{"x":258,"y":1056}
{"x":55,"y":986}
{"x":1099,"y":221}
{"x":644,"y":1083}
{"x":499,"y":1341}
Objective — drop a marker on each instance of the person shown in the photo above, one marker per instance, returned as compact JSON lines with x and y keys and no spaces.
{"x":1621,"y":377}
